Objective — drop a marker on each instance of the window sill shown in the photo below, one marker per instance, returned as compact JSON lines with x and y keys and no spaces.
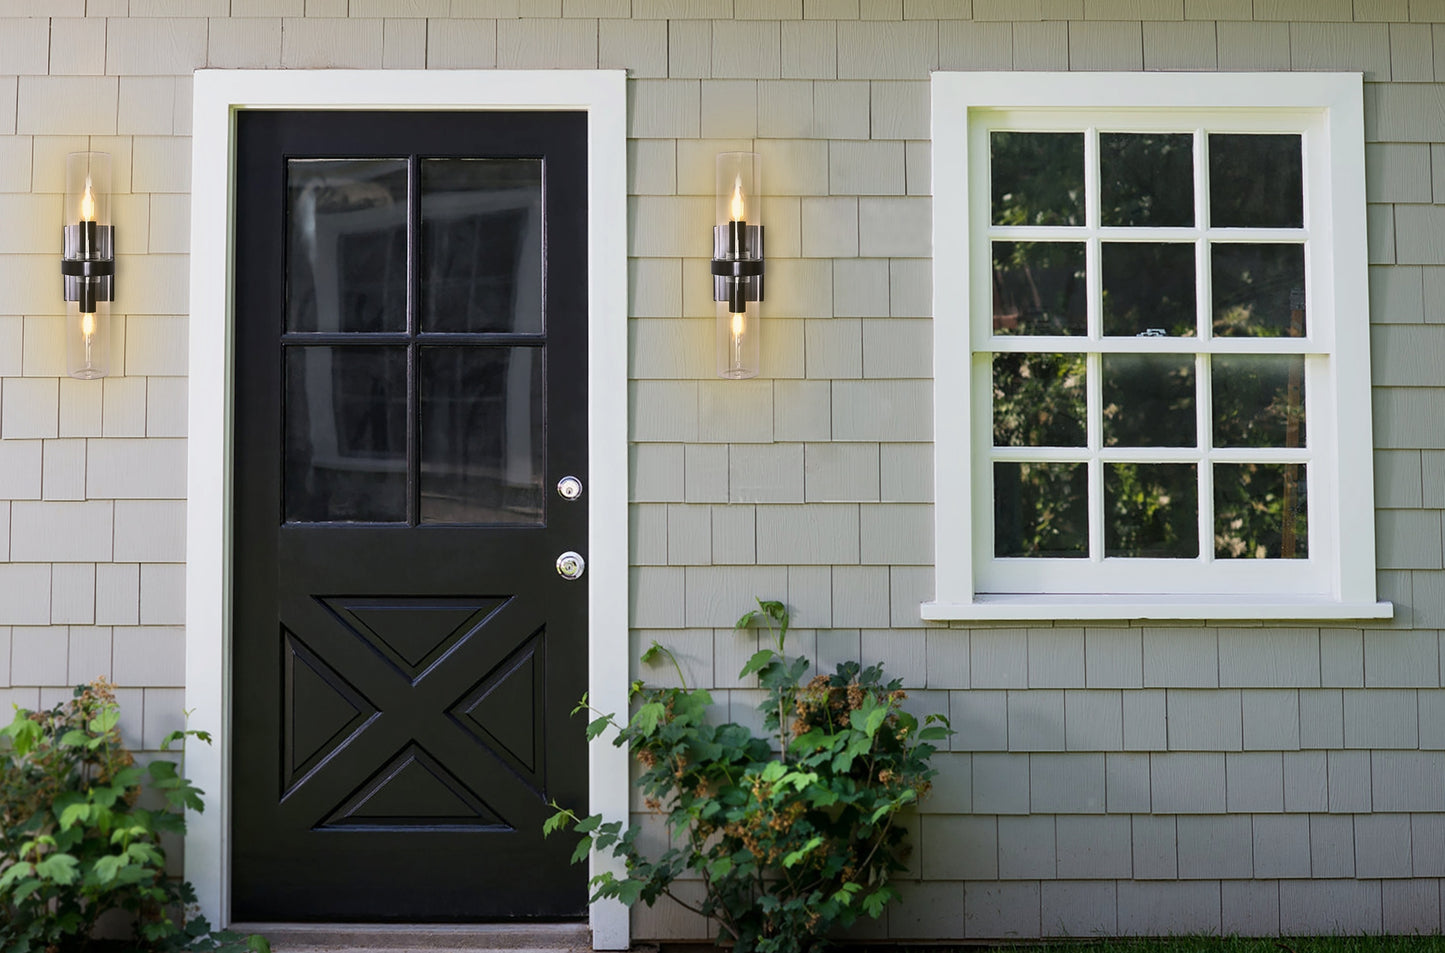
{"x":1034,"y":607}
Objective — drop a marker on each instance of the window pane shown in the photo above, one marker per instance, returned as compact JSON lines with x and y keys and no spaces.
{"x":481,"y":222}
{"x":1146,"y":178}
{"x":1260,"y":511}
{"x":1041,"y":509}
{"x":1148,"y":289}
{"x":1039,"y":400}
{"x":483,"y":434}
{"x":1038,"y":288}
{"x":1256,"y":181}
{"x":1151,"y":509}
{"x":345,"y":424}
{"x":1037,"y":178}
{"x":1259,"y":401}
{"x":1259,"y":290}
{"x":1148,"y":400}
{"x":346,"y":245}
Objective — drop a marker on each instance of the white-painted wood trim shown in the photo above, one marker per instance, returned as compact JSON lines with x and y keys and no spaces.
{"x":218,"y":94}
{"x":1338,"y":581}
{"x":952,"y":400}
{"x":999,"y":608}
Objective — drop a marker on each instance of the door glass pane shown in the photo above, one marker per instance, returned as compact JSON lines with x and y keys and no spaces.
{"x":1146,"y":178}
{"x":483,"y":434}
{"x":1039,"y":400}
{"x":1148,"y":400}
{"x":1259,"y":401}
{"x":1151,"y":509}
{"x":346,"y":245}
{"x":1038,"y":288}
{"x":345,"y":431}
{"x":1037,"y":178}
{"x":481,"y":224}
{"x":1259,"y":290}
{"x":1148,"y":289}
{"x":1260,"y":511}
{"x":1041,"y":509}
{"x":1256,"y":181}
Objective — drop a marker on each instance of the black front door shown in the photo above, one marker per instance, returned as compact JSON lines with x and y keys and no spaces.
{"x":411,"y":365}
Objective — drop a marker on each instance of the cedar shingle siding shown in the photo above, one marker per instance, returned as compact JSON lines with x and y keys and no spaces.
{"x":1103,"y":779}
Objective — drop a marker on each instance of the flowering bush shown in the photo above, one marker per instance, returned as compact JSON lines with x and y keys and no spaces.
{"x":75,"y":842}
{"x":792,"y":835}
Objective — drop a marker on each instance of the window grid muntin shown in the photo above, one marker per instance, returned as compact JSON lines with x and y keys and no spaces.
{"x":1094,"y":344}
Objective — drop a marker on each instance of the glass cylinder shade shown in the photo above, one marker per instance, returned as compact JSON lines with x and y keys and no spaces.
{"x":87,"y":340}
{"x":88,"y":263}
{"x":87,"y":188}
{"x":738,"y":264}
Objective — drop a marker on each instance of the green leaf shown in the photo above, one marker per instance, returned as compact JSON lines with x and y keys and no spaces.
{"x":106,"y":868}
{"x":720,"y":867}
{"x":596,"y":726}
{"x":74,"y":814}
{"x":794,"y":857}
{"x":758,"y":662}
{"x":774,"y":771}
{"x":107,"y":719}
{"x":648,"y":717}
{"x":60,"y":868}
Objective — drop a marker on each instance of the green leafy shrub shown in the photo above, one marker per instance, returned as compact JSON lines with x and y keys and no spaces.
{"x":75,"y":842}
{"x":792,"y":835}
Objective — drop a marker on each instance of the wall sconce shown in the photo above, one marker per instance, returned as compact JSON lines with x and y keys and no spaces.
{"x":88,"y":264}
{"x":737,"y":264}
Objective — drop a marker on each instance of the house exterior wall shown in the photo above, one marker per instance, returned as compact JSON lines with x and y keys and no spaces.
{"x":1114,"y":778}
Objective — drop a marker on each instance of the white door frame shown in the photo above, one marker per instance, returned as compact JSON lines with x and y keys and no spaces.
{"x":219,"y":95}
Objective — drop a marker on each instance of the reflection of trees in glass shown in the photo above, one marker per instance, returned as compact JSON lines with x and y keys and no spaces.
{"x":346,"y":244}
{"x":345,"y":434}
{"x":1258,"y":289}
{"x":1039,"y":400}
{"x":1256,"y":181}
{"x":1148,"y":400}
{"x":1146,"y":178}
{"x":1259,"y":400}
{"x":1151,"y":509}
{"x":1040,"y":509}
{"x":1037,"y":178}
{"x":1148,"y":287}
{"x":1260,"y":511}
{"x":1038,"y":288}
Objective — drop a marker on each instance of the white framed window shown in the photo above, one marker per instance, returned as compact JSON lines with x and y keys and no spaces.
{"x":1151,"y":347}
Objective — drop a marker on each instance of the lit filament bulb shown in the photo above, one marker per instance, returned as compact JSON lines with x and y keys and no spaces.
{"x":738,"y":214}
{"x":87,"y":328}
{"x":87,"y":203}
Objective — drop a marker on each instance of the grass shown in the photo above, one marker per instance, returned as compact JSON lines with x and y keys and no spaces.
{"x":1236,"y":944}
{"x":1173,"y":944}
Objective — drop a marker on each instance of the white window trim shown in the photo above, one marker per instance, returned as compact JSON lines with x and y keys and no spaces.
{"x":218,"y":96}
{"x":1344,"y":586}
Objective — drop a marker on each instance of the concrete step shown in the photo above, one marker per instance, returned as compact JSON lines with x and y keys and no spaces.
{"x":432,"y":938}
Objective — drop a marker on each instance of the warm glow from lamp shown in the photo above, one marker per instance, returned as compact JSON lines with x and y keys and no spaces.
{"x":737,"y":264}
{"x":87,"y":202}
{"x":87,"y":263}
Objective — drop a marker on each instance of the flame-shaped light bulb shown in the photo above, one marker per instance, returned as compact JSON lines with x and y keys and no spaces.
{"x":87,"y":203}
{"x":738,"y":210}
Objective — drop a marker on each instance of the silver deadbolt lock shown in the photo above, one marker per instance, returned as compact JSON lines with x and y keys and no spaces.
{"x":569,"y":488}
{"x":571,"y":565}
